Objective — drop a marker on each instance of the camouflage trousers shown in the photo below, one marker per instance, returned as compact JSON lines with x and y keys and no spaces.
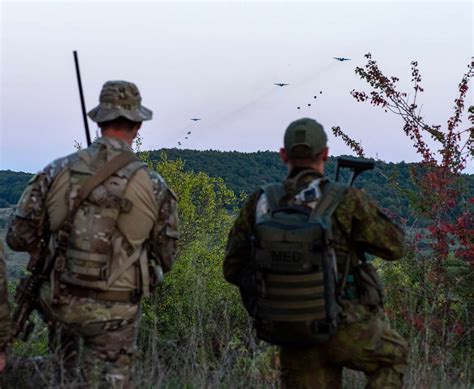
{"x":108,"y":333}
{"x":363,"y":342}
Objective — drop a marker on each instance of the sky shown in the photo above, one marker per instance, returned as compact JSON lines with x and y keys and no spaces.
{"x":219,"y":61}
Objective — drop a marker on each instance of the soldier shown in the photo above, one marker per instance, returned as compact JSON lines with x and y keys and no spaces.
{"x":5,"y":325}
{"x":280,"y":303}
{"x":111,"y":227}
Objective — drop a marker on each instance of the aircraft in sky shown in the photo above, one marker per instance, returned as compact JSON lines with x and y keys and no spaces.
{"x":195,"y":119}
{"x":280,"y":84}
{"x":341,"y":59}
{"x":189,"y":132}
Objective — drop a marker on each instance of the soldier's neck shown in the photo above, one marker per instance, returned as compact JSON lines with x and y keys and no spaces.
{"x":125,"y":136}
{"x":318,"y":167}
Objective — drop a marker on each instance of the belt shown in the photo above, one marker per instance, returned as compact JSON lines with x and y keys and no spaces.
{"x":111,"y":295}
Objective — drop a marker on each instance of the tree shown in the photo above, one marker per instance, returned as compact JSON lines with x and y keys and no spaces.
{"x":432,"y":288}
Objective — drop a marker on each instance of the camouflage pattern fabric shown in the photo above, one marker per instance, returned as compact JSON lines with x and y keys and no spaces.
{"x":5,"y":322}
{"x":363,"y":341}
{"x":108,"y":329}
{"x":120,"y":98}
{"x":109,"y":332}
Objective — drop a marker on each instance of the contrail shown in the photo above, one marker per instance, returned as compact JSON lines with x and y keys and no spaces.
{"x":268,"y":91}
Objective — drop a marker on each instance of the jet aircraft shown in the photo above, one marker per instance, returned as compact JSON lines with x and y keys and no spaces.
{"x":341,"y":59}
{"x":280,"y":84}
{"x":195,"y":119}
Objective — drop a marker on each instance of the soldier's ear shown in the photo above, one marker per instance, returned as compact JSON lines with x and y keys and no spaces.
{"x":284,"y":156}
{"x":325,"y":154}
{"x":136,"y":128}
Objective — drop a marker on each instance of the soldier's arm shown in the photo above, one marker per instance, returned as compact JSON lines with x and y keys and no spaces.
{"x":239,"y":246}
{"x":28,"y":220}
{"x":371,"y":230}
{"x":164,"y":235}
{"x":5,"y":324}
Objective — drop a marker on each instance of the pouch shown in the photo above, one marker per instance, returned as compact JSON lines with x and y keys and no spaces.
{"x":369,"y":284}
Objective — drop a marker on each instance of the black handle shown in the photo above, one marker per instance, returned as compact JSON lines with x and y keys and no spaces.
{"x":81,"y":95}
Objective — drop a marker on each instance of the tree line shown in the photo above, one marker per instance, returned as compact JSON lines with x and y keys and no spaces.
{"x":389,"y":184}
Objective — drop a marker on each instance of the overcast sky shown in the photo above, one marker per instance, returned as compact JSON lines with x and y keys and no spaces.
{"x":219,"y":61}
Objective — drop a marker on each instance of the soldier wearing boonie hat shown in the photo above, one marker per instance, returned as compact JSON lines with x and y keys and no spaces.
{"x":276,"y":300}
{"x":125,"y":225}
{"x":120,"y":99}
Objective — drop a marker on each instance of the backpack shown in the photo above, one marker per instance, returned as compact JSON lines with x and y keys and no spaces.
{"x":295,"y":269}
{"x":88,"y":242}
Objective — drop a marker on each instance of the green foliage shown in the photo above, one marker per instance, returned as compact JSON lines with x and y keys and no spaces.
{"x":12,"y":185}
{"x":194,"y":330}
{"x":195,"y":291}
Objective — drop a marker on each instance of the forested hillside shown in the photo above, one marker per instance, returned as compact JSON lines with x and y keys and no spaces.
{"x":11,"y":186}
{"x":389,"y":183}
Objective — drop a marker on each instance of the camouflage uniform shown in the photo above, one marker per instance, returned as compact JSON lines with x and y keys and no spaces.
{"x":5,"y":324}
{"x":126,"y":223}
{"x":363,"y":340}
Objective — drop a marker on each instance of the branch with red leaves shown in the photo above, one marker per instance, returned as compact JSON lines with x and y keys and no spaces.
{"x":352,"y":144}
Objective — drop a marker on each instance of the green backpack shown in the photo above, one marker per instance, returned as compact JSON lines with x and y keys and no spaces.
{"x":295,"y":269}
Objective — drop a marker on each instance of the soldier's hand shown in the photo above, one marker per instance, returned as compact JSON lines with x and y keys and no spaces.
{"x":3,"y":361}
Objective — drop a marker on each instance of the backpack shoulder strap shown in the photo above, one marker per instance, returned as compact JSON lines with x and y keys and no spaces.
{"x":111,"y":167}
{"x":274,"y":193}
{"x":333,"y":194}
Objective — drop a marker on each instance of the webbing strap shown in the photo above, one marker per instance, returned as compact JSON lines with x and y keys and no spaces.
{"x":85,"y":270}
{"x":310,"y":291}
{"x":89,"y":257}
{"x":332,"y":196}
{"x":118,"y":271}
{"x":294,"y":317}
{"x":111,"y":167}
{"x":296,"y":278}
{"x":274,"y":193}
{"x":292,"y":305}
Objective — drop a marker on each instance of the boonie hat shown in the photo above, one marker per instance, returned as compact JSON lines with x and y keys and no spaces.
{"x":120,"y":98}
{"x":304,"y":132}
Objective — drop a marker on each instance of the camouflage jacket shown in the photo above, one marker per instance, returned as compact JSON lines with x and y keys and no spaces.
{"x":358,"y":226}
{"x":5,"y":323}
{"x":43,"y":205}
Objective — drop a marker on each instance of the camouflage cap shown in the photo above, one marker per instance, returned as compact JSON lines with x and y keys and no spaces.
{"x":304,"y":138}
{"x":120,"y":98}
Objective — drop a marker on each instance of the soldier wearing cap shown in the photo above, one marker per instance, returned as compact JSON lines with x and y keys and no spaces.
{"x":362,"y":341}
{"x":110,"y":226}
